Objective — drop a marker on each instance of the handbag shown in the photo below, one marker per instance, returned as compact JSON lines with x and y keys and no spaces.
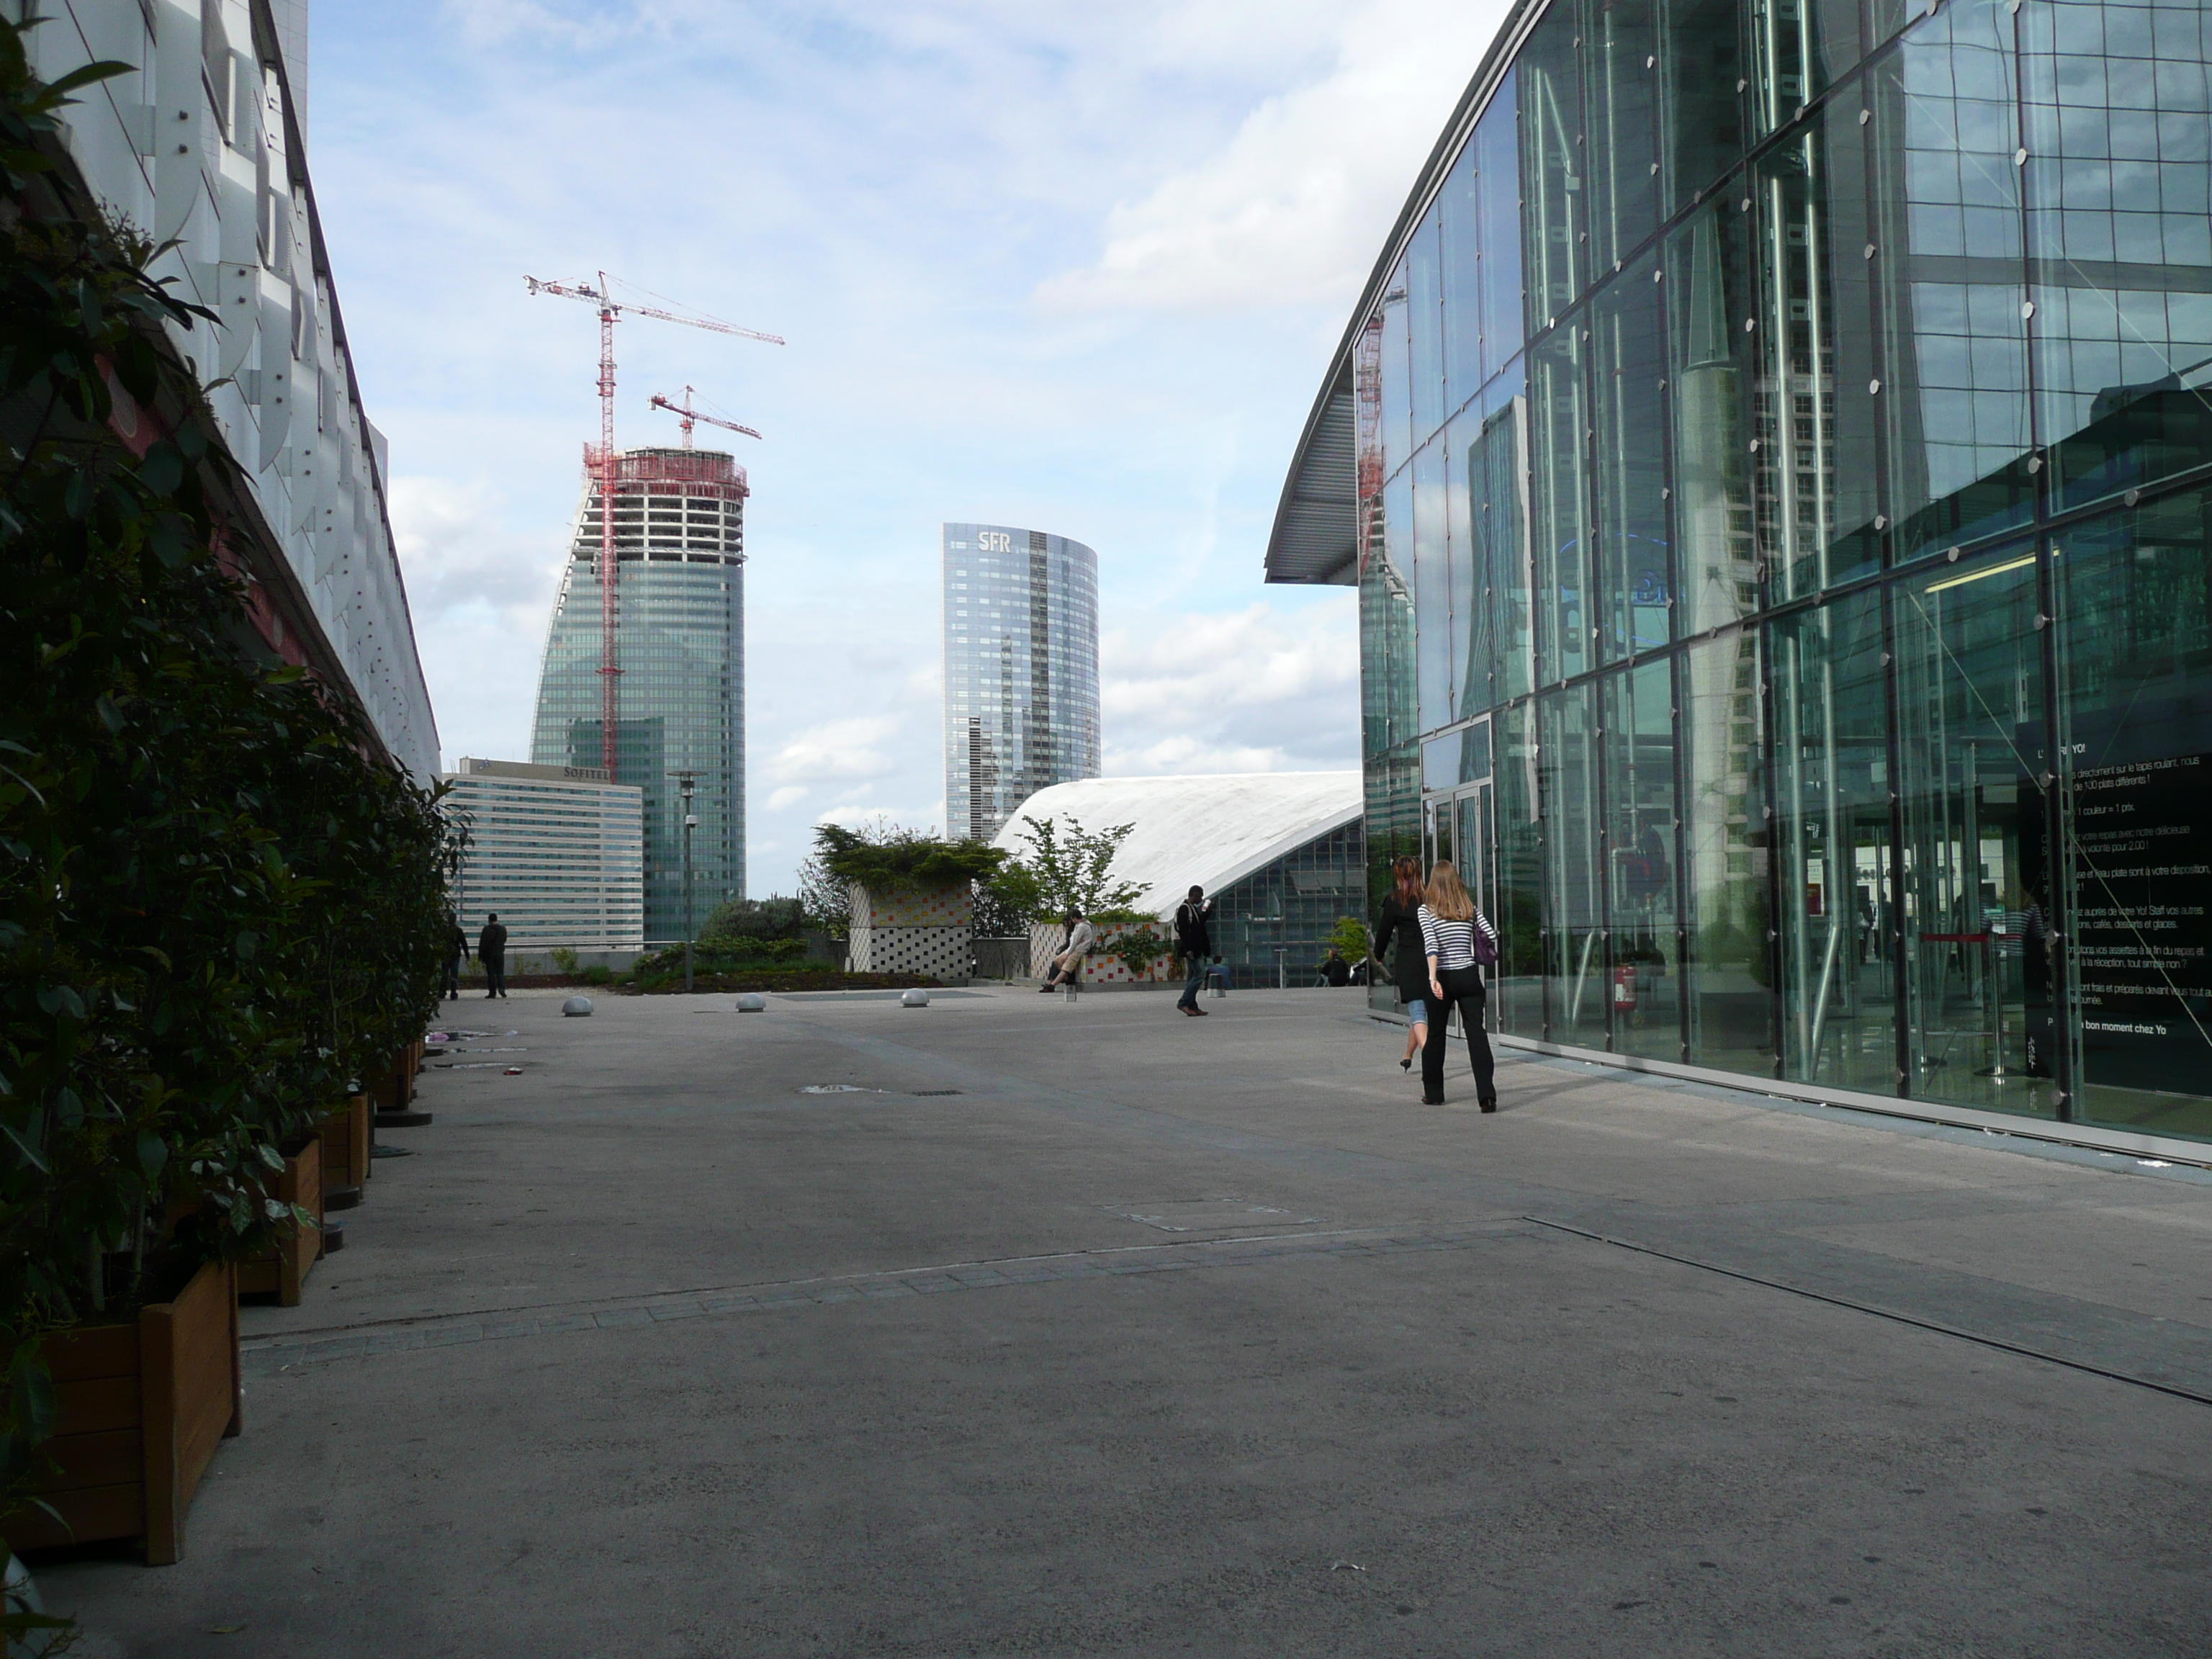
{"x":1485,"y":949}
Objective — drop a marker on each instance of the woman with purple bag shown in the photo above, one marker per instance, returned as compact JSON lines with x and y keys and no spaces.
{"x":1460,"y":942}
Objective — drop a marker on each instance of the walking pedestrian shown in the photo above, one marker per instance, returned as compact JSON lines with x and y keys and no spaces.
{"x":1067,"y":966}
{"x":1408,"y":967}
{"x":456,"y":950}
{"x":1456,"y":938}
{"x":1194,"y":945}
{"x":491,"y":951}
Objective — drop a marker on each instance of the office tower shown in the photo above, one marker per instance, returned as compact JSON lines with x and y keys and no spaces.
{"x":1021,"y":671}
{"x":557,"y":851}
{"x":679,"y":563}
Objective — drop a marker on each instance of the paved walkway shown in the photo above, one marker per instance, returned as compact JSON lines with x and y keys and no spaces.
{"x":1013,"y":1326}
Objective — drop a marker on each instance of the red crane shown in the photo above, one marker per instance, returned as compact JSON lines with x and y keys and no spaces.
{"x":600,"y":464}
{"x":691,"y":415}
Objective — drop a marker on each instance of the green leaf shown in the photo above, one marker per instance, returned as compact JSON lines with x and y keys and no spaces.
{"x":153,"y":1154}
{"x":270,"y":1155}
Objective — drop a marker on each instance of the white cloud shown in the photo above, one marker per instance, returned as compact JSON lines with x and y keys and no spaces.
{"x":790,"y":795}
{"x":856,"y":750}
{"x":1292,"y":210}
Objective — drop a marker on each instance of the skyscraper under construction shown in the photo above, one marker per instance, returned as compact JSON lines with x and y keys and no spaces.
{"x":679,"y":619}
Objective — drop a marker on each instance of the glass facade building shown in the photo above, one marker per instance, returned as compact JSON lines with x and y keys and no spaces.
{"x":1774,"y":457}
{"x":557,"y":851}
{"x":680,"y":616}
{"x":1021,"y":671}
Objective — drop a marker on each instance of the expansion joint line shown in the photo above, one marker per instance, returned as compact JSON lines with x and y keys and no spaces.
{"x":1935,"y":1326}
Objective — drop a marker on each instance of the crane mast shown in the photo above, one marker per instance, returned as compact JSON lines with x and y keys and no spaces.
{"x":601,"y":466}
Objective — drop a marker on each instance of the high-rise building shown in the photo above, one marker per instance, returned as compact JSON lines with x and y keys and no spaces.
{"x":1771,"y":451}
{"x":1021,"y":671}
{"x":557,"y":851}
{"x":680,"y":639}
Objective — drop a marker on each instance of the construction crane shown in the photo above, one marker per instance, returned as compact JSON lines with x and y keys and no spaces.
{"x":691,"y":415}
{"x":600,"y":464}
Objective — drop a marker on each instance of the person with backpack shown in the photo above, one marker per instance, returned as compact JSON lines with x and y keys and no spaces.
{"x":1459,"y":940}
{"x":1194,"y":945}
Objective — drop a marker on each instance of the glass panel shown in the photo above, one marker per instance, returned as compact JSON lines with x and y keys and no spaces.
{"x":1432,"y":585}
{"x":2120,"y":241}
{"x":1574,"y":955}
{"x":1701,"y":106}
{"x":1554,"y":214}
{"x":1816,"y":460}
{"x":1469,"y":687}
{"x":1634,"y":590}
{"x":1394,"y":370}
{"x":1462,"y":757}
{"x":1560,"y":509}
{"x":1517,"y":984}
{"x":1951,"y":281}
{"x":1498,"y":189}
{"x":1459,"y":214}
{"x":1730,"y":963}
{"x":1640,"y":848}
{"x":1424,"y":328}
{"x":1837,"y":866}
{"x":1620,"y":95}
{"x":1707,"y":286}
{"x":1798,"y":48}
{"x":2134,"y":594}
{"x":1500,"y":664}
{"x":1970,"y":667}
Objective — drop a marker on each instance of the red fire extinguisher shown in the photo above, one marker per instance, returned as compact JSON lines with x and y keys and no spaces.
{"x":1624,"y":986}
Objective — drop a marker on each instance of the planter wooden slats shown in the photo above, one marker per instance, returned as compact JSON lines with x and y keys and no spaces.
{"x":140,"y":1410}
{"x":285,"y":1268}
{"x":344,"y":1135}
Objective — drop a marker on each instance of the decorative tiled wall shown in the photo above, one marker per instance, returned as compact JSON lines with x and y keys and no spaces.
{"x":912,"y":930}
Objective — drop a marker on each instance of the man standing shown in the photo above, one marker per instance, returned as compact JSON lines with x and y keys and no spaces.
{"x":456,"y":950}
{"x":1194,"y":945}
{"x":491,"y":951}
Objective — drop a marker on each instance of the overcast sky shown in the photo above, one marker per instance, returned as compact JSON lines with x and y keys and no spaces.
{"x":1073,"y":267}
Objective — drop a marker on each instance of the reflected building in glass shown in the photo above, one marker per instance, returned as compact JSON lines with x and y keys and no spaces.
{"x":1021,"y":671}
{"x":679,"y":534}
{"x":1774,"y":455}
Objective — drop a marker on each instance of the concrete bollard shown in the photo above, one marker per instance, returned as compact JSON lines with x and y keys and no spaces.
{"x":917,"y":998}
{"x":752,"y":1003}
{"x":576,"y":1007}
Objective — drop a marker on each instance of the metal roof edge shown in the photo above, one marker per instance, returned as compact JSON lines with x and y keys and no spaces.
{"x":1504,"y":47}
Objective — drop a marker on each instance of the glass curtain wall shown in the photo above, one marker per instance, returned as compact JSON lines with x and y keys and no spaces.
{"x":1795,"y":424}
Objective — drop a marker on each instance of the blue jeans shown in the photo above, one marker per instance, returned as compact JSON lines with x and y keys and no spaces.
{"x":1189,"y":998}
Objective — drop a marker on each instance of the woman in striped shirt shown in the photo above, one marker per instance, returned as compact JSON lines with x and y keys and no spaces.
{"x":1450,"y":923}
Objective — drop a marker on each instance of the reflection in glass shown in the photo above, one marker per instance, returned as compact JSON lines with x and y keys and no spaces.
{"x":1470,"y":690}
{"x":1389,"y":724}
{"x":1816,"y":454}
{"x":1500,"y":658}
{"x":1634,"y":584}
{"x":1640,"y":841}
{"x":1728,"y":961}
{"x":2119,"y":241}
{"x":1427,"y":478}
{"x":1837,"y":880}
{"x":1798,"y":48}
{"x":1394,"y":372}
{"x":1949,"y":279}
{"x":1517,"y":984}
{"x":1559,"y":506}
{"x":1620,"y":97}
{"x":1707,"y":285}
{"x":1700,"y":107}
{"x":1554,"y":204}
{"x":1425,"y":327}
{"x":1498,"y":193}
{"x":1574,"y":957}
{"x":1459,"y":214}
{"x":1969,"y":669}
{"x":2134,"y":595}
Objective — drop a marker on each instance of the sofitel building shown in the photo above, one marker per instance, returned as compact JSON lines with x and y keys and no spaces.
{"x":1774,"y":456}
{"x":1021,"y":671}
{"x":680,"y":640}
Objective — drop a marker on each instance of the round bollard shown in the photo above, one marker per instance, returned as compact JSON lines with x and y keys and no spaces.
{"x":752,"y":1003}
{"x":576,"y":1007}
{"x":917,"y":998}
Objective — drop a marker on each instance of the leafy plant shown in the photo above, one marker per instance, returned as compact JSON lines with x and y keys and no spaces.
{"x":599,"y":974}
{"x":564,"y":958}
{"x":220,"y":903}
{"x":901,"y":857}
{"x":1351,"y":937}
{"x":1137,"y":950}
{"x":746,"y":918}
{"x":1068,"y":869}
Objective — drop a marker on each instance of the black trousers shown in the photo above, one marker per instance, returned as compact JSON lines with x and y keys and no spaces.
{"x":494,"y":976}
{"x":452,"y":985}
{"x":1462,"y":990}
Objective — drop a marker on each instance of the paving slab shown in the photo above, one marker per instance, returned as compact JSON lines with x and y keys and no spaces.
{"x":1173,"y":1335}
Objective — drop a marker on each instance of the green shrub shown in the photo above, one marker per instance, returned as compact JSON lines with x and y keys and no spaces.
{"x":599,"y":974}
{"x":564,"y":959}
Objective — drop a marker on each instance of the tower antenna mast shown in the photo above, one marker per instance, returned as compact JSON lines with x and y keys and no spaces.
{"x":600,"y":464}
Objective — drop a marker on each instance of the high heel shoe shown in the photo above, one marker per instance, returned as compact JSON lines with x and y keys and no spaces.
{"x":1407,"y":1064}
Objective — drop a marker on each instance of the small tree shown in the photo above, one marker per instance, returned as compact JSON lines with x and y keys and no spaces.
{"x":1350,"y":939}
{"x":774,"y":917}
{"x":1069,"y":869}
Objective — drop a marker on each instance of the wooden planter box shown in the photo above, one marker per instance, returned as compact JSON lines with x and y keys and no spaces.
{"x":141,"y":1409}
{"x":285,"y":1268}
{"x":344,"y":1135}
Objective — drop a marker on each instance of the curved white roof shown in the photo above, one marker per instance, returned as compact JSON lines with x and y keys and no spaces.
{"x":1211,"y":829}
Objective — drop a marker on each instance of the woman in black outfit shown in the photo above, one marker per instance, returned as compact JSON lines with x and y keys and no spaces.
{"x":1409,"y":968}
{"x":1449,"y":926}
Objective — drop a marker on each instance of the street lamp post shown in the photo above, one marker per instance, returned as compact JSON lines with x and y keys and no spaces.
{"x":685,"y":781}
